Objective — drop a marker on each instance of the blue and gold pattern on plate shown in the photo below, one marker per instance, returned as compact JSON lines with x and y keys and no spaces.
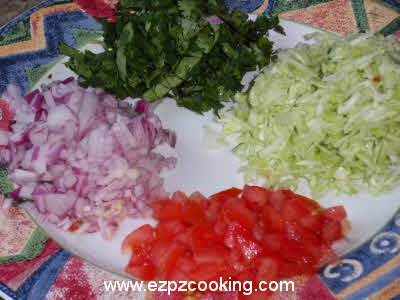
{"x":366,"y":270}
{"x":24,"y":61}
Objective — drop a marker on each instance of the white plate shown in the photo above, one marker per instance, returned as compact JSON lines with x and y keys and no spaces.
{"x":210,"y":171}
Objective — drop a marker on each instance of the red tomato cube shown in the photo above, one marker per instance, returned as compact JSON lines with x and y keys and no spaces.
{"x":336,"y":213}
{"x":331,"y":231}
{"x":138,"y":238}
{"x":236,"y":211}
{"x":226,"y":195}
{"x":255,"y":196}
{"x":295,"y":209}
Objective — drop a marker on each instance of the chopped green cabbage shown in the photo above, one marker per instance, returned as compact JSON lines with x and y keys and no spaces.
{"x":327,"y":112}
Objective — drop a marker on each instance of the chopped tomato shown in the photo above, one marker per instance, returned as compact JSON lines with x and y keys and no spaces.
{"x":272,"y":219}
{"x":169,"y":228}
{"x":184,"y":238}
{"x":193,"y":213}
{"x":141,"y":237}
{"x":236,"y":261}
{"x":249,"y":247}
{"x":198,"y":197}
{"x":226,"y":195}
{"x":220,"y":225}
{"x":211,"y":210}
{"x":205,"y":272}
{"x":166,"y":262}
{"x":331,"y":231}
{"x":246,"y":275}
{"x":239,"y":238}
{"x":227,"y":270}
{"x":140,"y":256}
{"x":317,"y":251}
{"x":186,"y":264}
{"x":295,"y":232}
{"x":277,"y":198}
{"x":328,"y":255}
{"x":255,"y":196}
{"x":267,"y":269}
{"x":164,"y":210}
{"x":216,"y":254}
{"x":336,"y":213}
{"x":179,"y":197}
{"x":203,"y":235}
{"x":290,"y":269}
{"x":288,"y":194}
{"x":294,"y":251}
{"x":312,"y":204}
{"x":236,"y":211}
{"x":272,"y":242}
{"x":313,"y":223}
{"x":158,"y":249}
{"x":255,"y":235}
{"x":145,"y":272}
{"x":295,"y":209}
{"x":258,"y":231}
{"x":157,"y":206}
{"x":178,"y":275}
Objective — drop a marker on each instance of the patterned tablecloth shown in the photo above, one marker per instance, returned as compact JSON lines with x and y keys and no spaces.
{"x":32,"y":266}
{"x":9,"y":9}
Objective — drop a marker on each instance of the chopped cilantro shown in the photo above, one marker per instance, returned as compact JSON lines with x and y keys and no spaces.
{"x":170,"y":48}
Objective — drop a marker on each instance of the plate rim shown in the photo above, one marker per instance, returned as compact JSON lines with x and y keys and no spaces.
{"x":4,"y":28}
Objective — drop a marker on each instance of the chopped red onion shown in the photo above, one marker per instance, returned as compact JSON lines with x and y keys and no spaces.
{"x":78,"y":158}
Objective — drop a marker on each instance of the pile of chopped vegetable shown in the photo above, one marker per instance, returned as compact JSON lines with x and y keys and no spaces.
{"x":81,"y":159}
{"x":176,"y":48}
{"x":328,"y":112}
{"x":255,"y":234}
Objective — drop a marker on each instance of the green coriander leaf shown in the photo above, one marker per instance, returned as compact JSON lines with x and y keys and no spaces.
{"x":168,"y":47}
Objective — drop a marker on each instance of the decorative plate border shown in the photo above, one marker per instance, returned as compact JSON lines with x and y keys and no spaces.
{"x":371,"y":270}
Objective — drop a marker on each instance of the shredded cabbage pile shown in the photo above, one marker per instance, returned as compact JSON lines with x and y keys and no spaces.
{"x":327,"y":112}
